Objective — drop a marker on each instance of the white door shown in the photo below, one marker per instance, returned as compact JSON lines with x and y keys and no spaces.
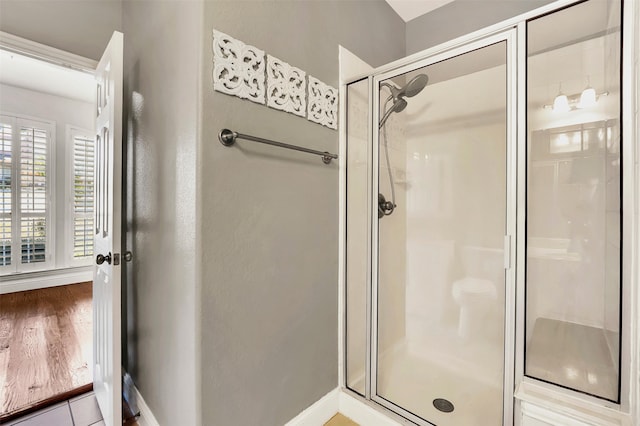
{"x":107,"y":383}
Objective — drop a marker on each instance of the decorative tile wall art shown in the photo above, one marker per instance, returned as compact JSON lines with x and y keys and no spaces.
{"x":238,"y":68}
{"x":286,"y":87}
{"x":322,"y":107}
{"x":249,"y":73}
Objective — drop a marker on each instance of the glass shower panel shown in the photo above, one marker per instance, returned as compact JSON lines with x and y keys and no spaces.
{"x":358,"y":188}
{"x":441,"y":277}
{"x":573,"y":198}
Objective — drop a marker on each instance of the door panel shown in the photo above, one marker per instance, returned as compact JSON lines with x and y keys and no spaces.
{"x":107,"y":239}
{"x":439,"y":343}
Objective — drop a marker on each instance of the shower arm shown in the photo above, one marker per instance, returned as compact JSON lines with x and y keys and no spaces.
{"x":393,"y":88}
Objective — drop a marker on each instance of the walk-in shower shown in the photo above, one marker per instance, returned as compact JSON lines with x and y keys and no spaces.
{"x":502,"y":268}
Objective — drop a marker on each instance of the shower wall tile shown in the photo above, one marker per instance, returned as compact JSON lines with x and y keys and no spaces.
{"x":286,"y":87}
{"x":323,"y":103}
{"x":238,"y":68}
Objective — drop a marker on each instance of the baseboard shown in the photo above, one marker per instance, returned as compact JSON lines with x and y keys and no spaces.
{"x":339,"y":401}
{"x":320,"y":412}
{"x":362,"y":413}
{"x":44,"y":279}
{"x":146,"y":416}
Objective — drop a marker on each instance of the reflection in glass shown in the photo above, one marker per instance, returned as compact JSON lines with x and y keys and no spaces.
{"x":573,"y":200}
{"x":441,"y":275}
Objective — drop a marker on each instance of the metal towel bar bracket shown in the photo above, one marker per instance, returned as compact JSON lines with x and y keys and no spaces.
{"x":228,"y":138}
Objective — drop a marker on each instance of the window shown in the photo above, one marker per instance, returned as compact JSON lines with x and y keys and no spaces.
{"x":5,"y":193}
{"x":81,"y":189}
{"x":25,"y":212}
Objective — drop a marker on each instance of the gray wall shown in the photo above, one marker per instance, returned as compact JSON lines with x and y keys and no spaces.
{"x":162,"y":92}
{"x":270,"y":216}
{"x":462,"y":17}
{"x":83,"y":27}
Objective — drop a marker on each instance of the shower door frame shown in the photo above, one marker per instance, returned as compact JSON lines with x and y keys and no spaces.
{"x":509,"y":37}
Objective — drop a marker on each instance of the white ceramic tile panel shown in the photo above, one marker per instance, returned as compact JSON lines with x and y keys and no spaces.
{"x":238,"y":68}
{"x":322,"y":107}
{"x":286,"y":87}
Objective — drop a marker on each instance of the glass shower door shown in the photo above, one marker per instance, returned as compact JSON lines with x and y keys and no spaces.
{"x":439,"y":303}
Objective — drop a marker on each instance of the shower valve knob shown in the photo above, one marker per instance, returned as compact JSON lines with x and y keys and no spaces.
{"x":385,"y":208}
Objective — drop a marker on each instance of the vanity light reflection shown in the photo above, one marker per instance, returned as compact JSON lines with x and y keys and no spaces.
{"x":587,"y":99}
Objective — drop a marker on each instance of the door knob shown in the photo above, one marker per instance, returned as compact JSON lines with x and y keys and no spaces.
{"x":128,"y":256}
{"x":100,"y":259}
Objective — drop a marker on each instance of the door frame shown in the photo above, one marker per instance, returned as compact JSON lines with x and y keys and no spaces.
{"x":55,"y":277}
{"x":42,"y":52}
{"x":46,"y":53}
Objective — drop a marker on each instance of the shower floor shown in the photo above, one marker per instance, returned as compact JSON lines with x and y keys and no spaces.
{"x":413,"y":381}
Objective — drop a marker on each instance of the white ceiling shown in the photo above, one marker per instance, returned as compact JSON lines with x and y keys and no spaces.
{"x":28,"y":73}
{"x":410,"y":9}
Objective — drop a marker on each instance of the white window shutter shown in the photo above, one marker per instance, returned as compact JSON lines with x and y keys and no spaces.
{"x":83,"y":194}
{"x":25,"y":194}
{"x":33,"y":193}
{"x":6,"y":192}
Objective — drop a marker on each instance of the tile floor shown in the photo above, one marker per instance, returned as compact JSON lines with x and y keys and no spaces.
{"x":79,"y":411}
{"x":83,"y":411}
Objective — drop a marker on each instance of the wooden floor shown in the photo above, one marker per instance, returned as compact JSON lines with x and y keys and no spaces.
{"x":45,"y":346}
{"x":340,"y":420}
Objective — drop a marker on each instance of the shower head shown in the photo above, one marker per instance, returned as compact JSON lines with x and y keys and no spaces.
{"x":399,"y":105}
{"x":409,"y":90}
{"x":398,"y":94}
{"x":416,"y":85}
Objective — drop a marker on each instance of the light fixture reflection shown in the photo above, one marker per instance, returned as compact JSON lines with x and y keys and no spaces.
{"x":561,"y":103}
{"x":587,"y":98}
